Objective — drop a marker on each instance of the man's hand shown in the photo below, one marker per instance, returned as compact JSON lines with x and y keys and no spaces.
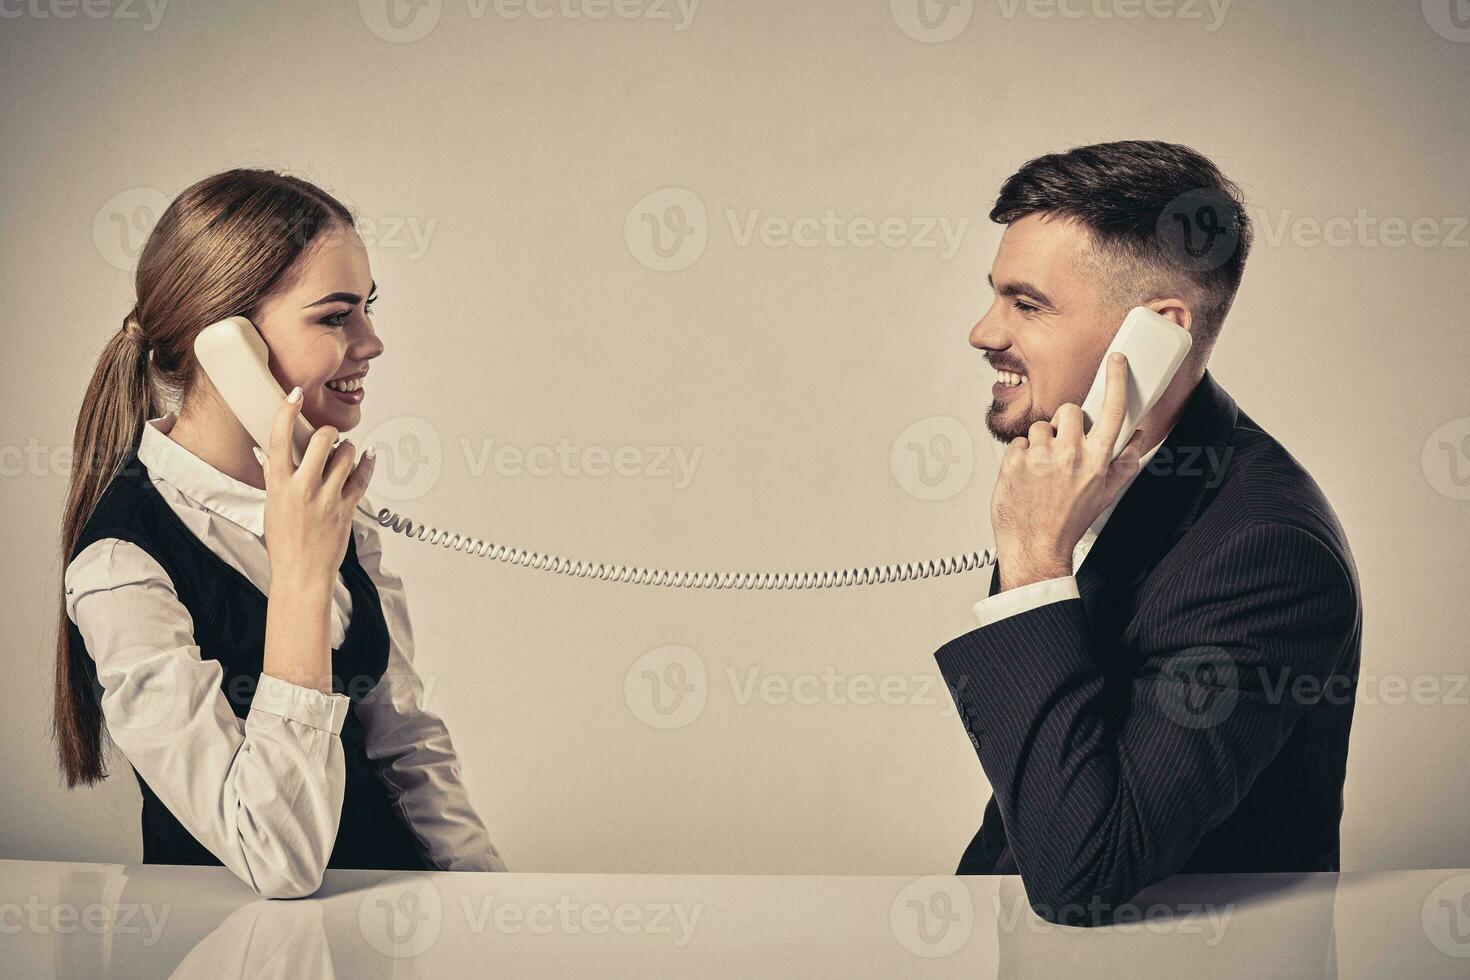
{"x":1055,"y":481}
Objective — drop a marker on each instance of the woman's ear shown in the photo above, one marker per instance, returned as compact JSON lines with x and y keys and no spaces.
{"x":1176,"y":310}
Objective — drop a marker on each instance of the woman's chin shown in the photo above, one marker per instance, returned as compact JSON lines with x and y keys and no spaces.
{"x":334,"y":412}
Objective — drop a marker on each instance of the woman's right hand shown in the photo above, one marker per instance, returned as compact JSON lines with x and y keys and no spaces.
{"x":308,"y":508}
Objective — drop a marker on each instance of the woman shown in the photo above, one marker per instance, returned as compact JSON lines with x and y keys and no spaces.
{"x":277,"y":736}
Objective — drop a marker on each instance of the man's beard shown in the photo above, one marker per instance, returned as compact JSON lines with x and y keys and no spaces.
{"x":1007,"y":430}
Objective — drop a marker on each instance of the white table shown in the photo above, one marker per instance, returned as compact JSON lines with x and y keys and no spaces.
{"x":81,"y":920}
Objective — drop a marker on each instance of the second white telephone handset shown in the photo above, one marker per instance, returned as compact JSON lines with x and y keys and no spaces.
{"x":236,"y":360}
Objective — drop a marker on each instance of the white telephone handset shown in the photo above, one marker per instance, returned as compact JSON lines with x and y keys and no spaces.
{"x":235,"y":357}
{"x":237,"y":361}
{"x":1155,"y":347}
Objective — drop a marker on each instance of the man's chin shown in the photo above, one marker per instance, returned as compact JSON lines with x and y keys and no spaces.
{"x":1007,"y":421}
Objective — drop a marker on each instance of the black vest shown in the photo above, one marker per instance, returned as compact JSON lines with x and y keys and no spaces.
{"x":229,"y":626}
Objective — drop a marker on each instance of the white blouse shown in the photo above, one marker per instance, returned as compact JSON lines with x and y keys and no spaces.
{"x":263,"y":794}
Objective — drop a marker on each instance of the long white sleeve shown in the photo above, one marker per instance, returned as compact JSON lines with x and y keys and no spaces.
{"x":410,"y":744}
{"x":263,"y":795}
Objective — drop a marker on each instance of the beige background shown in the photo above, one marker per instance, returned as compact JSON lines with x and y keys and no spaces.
{"x":519,"y":149}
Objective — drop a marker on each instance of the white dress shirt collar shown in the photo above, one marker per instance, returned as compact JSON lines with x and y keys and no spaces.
{"x":204,"y":484}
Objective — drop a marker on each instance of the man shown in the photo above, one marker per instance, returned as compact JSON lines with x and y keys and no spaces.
{"x":1163,"y":676}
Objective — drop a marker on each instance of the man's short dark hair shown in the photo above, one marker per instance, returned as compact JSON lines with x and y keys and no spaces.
{"x":1164,"y":220}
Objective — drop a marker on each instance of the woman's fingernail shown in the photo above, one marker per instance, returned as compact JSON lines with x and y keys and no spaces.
{"x":371,"y":452}
{"x":295,"y":395}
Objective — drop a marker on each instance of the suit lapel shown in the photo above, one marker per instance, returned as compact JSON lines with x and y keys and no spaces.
{"x":1161,"y":504}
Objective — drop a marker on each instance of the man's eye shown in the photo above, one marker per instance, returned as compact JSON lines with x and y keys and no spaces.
{"x":1024,"y":306}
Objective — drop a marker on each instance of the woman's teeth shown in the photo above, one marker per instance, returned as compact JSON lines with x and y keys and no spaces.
{"x":350,"y":385}
{"x":1010,"y":379}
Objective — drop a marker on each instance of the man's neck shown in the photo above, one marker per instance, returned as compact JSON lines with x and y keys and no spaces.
{"x":1162,"y":417}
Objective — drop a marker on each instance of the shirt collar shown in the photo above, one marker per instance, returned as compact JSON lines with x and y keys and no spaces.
{"x":216,"y":491}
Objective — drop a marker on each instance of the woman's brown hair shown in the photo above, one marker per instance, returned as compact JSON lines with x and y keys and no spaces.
{"x":225,"y":244}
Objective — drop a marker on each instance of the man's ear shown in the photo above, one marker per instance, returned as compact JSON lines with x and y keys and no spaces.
{"x":1176,"y":310}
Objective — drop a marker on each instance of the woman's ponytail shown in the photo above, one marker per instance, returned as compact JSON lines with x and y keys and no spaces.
{"x":119,"y":399}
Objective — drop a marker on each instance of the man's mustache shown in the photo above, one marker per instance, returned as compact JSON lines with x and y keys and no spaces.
{"x":1003,"y":363}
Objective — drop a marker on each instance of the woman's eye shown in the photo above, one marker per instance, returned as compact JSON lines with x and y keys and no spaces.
{"x":337,"y":319}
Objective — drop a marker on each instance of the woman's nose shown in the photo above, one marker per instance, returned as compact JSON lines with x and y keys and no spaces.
{"x":367,"y":344}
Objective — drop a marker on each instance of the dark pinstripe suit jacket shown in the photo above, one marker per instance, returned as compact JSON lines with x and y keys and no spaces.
{"x":1190,"y":712}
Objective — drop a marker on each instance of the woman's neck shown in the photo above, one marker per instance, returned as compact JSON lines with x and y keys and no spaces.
{"x":218,"y":438}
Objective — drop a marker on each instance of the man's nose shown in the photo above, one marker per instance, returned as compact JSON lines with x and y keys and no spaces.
{"x":987,"y":333}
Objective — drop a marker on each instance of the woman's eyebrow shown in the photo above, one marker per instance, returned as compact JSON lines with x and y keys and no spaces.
{"x":352,"y":298}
